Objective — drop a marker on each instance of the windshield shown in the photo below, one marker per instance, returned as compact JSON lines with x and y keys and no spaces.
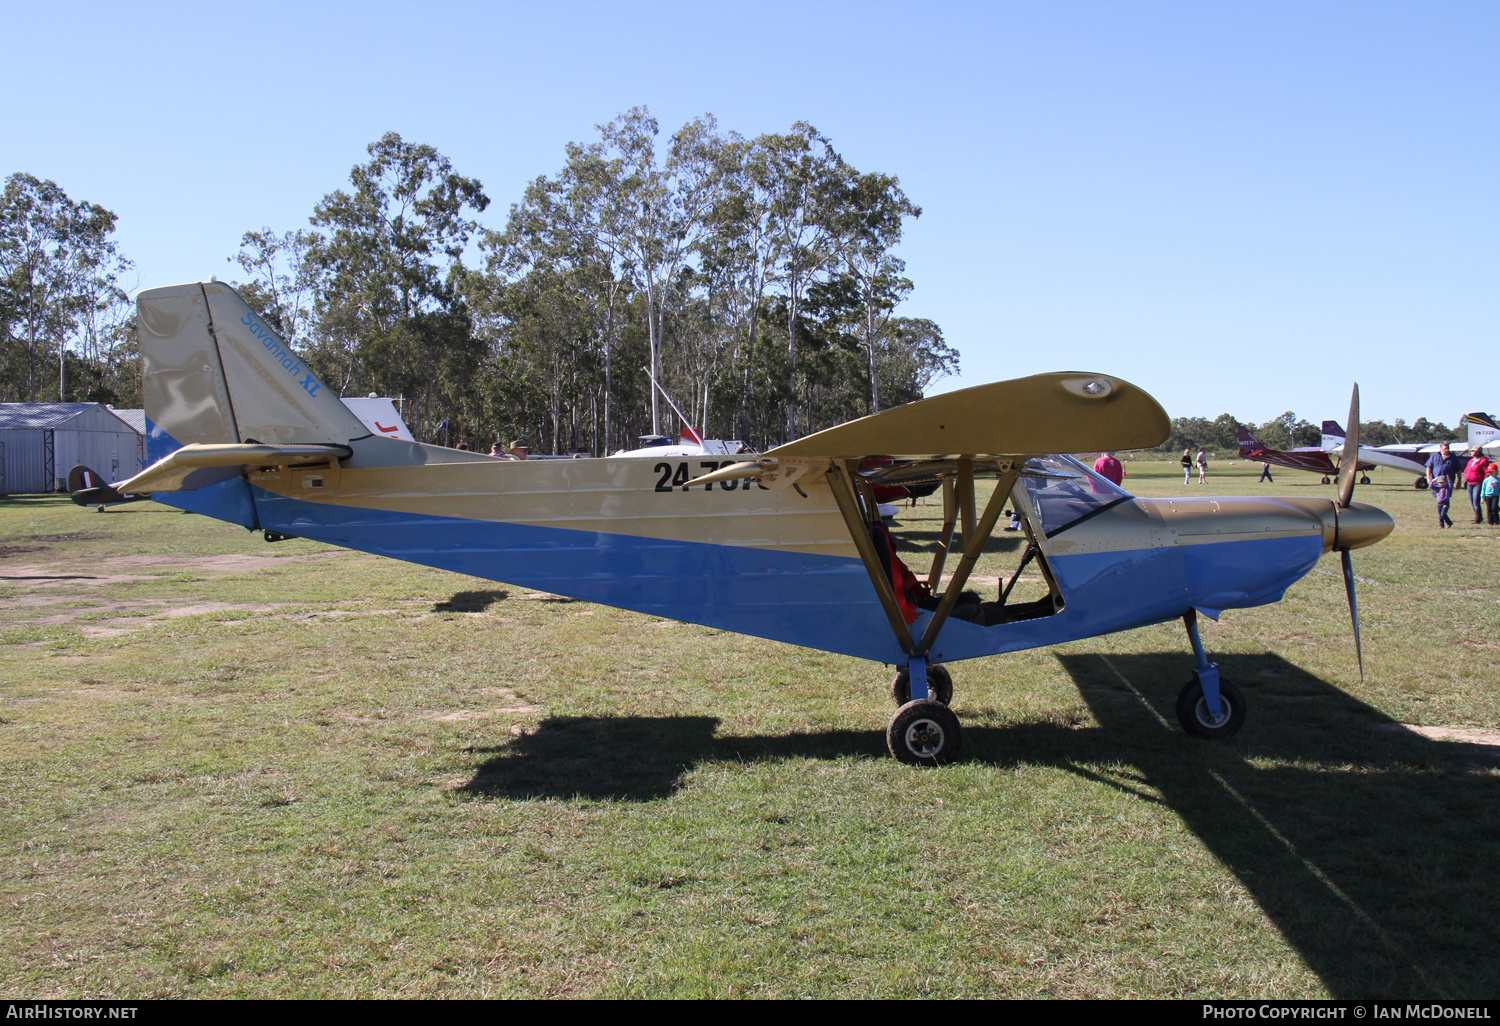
{"x":1064,"y":491}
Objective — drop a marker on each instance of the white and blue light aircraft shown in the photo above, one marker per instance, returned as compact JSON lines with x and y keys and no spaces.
{"x":786,"y":545}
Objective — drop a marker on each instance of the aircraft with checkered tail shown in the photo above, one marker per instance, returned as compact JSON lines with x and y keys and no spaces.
{"x":786,"y":545}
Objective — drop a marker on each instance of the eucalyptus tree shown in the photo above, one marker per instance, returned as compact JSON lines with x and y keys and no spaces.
{"x":912,"y":354}
{"x":805,"y":182}
{"x":283,"y":279}
{"x":557,"y":231}
{"x":389,"y":261}
{"x":650,"y":218}
{"x":739,"y":260}
{"x":60,"y":281}
{"x":874,"y":211}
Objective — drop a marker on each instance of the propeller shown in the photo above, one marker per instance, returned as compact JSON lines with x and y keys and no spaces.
{"x":1348,"y":464}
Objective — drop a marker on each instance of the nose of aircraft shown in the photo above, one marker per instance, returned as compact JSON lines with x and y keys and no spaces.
{"x":1359,"y":525}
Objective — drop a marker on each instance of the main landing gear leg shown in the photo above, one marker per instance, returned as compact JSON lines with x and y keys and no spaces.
{"x":924,"y":731}
{"x":916,"y":671}
{"x":1209,"y":706}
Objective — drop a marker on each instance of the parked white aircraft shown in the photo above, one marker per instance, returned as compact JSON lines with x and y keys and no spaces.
{"x":1484,"y":435}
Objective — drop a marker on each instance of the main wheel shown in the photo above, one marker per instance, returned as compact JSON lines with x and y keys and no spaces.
{"x":1364,"y":479}
{"x":939,"y":685}
{"x":1419,"y":483}
{"x":924,"y":733}
{"x":1325,"y":480}
{"x":1192,"y":710}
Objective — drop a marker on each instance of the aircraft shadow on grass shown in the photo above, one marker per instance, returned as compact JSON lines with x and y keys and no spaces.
{"x":470,"y":601}
{"x":1370,"y":848}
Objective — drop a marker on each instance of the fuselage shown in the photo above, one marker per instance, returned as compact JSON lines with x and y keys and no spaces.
{"x":631,"y":532}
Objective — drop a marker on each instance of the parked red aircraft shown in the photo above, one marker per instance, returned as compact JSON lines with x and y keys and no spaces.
{"x":1309,"y":457}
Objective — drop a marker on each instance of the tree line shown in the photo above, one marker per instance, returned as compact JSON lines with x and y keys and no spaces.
{"x":1289,"y":431}
{"x":753,"y":279}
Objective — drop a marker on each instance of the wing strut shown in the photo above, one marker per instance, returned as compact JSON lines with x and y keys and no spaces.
{"x":973,"y":546}
{"x":950,"y":514}
{"x":1026,"y":557}
{"x":839,"y":477}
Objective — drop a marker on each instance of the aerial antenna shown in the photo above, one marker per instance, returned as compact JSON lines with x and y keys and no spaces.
{"x":686,"y":422}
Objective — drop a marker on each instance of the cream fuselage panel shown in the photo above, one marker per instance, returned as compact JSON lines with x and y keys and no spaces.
{"x":612,"y":495}
{"x":1153,"y":523}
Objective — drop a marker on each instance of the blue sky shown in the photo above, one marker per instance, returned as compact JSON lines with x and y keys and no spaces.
{"x":1241,"y":207}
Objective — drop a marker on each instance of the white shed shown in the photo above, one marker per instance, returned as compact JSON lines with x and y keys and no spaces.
{"x":41,"y":442}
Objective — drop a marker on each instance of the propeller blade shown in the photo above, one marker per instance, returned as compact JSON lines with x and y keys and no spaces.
{"x":1349,"y":460}
{"x":1353,"y":608}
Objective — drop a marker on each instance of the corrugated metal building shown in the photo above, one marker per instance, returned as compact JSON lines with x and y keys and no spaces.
{"x":41,"y":442}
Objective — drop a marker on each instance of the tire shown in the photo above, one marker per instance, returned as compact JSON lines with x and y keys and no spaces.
{"x":924,"y":733}
{"x":939,"y":685}
{"x":1419,"y":483}
{"x":1364,"y":479}
{"x":1192,"y":710}
{"x":1325,"y":480}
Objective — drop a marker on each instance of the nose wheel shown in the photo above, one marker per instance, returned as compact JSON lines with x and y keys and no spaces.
{"x":1193,"y":713}
{"x":1209,"y":706}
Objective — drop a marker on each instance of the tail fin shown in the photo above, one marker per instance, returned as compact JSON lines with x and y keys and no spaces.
{"x":1249,"y":444}
{"x":87,"y":488}
{"x":214,"y":372}
{"x":1333,"y":435}
{"x":1482,"y":429}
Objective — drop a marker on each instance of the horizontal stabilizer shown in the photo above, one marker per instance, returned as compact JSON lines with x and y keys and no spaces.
{"x":170,"y":473}
{"x":1064,"y":412}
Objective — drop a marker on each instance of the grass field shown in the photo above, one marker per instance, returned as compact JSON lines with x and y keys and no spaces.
{"x":236,"y":769}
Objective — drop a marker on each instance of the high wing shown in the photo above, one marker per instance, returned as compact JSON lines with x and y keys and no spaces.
{"x":991,"y":425}
{"x":952,"y":438}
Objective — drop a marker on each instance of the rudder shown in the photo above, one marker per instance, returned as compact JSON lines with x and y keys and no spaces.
{"x":213,"y":371}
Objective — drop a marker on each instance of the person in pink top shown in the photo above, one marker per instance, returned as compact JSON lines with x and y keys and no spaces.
{"x":1106,"y":466}
{"x":1474,"y":473}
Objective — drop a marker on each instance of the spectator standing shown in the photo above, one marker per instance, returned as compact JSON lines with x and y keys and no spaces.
{"x":1202,"y":467}
{"x":1265,"y":473}
{"x":1109,"y":468}
{"x":1187,"y":466}
{"x":1474,"y":474}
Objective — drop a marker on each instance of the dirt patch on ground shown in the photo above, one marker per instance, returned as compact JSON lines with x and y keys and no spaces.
{"x":122,"y":569}
{"x":97,"y":616}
